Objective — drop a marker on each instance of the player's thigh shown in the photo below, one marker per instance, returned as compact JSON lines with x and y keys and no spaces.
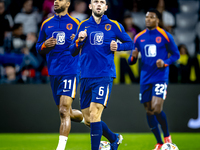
{"x":65,"y":101}
{"x":86,"y":115}
{"x":96,"y":110}
{"x":159,"y":95}
{"x":101,"y":90}
{"x":157,"y":104}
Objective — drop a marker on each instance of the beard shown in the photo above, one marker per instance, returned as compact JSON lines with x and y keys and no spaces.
{"x":98,"y":14}
{"x":59,"y":10}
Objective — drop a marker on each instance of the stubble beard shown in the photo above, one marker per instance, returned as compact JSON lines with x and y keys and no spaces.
{"x":61,"y":9}
{"x":98,"y":14}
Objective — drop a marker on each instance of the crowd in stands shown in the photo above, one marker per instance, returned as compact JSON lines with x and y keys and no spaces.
{"x":21,"y":20}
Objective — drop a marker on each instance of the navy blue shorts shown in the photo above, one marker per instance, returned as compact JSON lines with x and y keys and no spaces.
{"x":95,"y":90}
{"x":63,"y":85}
{"x":147,"y":91}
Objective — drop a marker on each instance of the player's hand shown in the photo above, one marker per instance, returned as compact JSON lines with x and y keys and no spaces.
{"x":82,"y":35}
{"x":72,"y":37}
{"x":135,"y":53}
{"x":160,"y":63}
{"x":113,"y":45}
{"x":51,"y":42}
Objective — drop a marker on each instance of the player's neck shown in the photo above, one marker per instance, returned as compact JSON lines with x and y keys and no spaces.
{"x":97,"y":19}
{"x":151,"y":28}
{"x":62,"y":13}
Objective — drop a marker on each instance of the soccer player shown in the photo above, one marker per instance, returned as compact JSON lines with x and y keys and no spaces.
{"x":54,"y":40}
{"x":154,"y":44}
{"x":96,"y":42}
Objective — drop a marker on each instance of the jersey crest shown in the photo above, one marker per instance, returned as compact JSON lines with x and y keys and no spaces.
{"x":158,"y":39}
{"x":69,"y":26}
{"x":107,"y":27}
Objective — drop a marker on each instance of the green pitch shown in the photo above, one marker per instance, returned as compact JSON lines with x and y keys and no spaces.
{"x":132,"y":141}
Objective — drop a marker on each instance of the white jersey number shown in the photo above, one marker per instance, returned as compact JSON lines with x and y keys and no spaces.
{"x":159,"y":89}
{"x":70,"y":83}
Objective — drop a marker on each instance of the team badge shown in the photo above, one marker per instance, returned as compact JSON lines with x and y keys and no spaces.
{"x":107,"y":27}
{"x":158,"y":39}
{"x":69,"y":26}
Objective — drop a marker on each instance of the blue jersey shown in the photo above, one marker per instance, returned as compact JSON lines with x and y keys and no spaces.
{"x":96,"y":59}
{"x":59,"y":59}
{"x":153,"y":45}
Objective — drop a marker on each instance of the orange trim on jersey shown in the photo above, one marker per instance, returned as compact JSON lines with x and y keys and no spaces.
{"x":132,"y":58}
{"x":46,"y":21}
{"x":116,"y":24}
{"x":106,"y":100}
{"x":76,"y":20}
{"x":81,"y":23}
{"x":77,"y":43}
{"x":74,"y":90}
{"x":165,"y":65}
{"x":43,"y":46}
{"x":163,"y":33}
{"x":139,"y":34}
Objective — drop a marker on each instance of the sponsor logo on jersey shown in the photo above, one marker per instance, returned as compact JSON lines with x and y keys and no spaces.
{"x":69,"y":26}
{"x":142,"y":40}
{"x":60,"y":37}
{"x":158,"y":39}
{"x":50,"y":26}
{"x":150,"y":50}
{"x":107,"y":27}
{"x":96,"y":38}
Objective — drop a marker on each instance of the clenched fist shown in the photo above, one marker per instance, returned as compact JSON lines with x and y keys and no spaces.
{"x":72,"y":37}
{"x":160,"y":63}
{"x":113,"y":46}
{"x":82,"y":35}
{"x":51,"y":42}
{"x":135,"y":53}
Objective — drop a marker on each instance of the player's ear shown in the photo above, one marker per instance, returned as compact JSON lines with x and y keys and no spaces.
{"x":106,"y":8}
{"x":90,"y":6}
{"x":68,"y":4}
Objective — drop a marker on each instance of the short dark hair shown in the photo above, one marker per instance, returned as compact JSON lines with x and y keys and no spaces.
{"x":158,"y":14}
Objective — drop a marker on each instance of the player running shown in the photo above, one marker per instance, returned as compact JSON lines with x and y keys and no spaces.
{"x":54,"y":40}
{"x":96,"y":41}
{"x":154,"y":44}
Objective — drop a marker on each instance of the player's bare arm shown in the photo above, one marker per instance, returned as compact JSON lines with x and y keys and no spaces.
{"x":51,"y":42}
{"x":160,"y":63}
{"x":113,"y":45}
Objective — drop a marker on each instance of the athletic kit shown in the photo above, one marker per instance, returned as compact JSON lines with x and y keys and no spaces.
{"x":63,"y":68}
{"x":153,"y":45}
{"x":96,"y":59}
